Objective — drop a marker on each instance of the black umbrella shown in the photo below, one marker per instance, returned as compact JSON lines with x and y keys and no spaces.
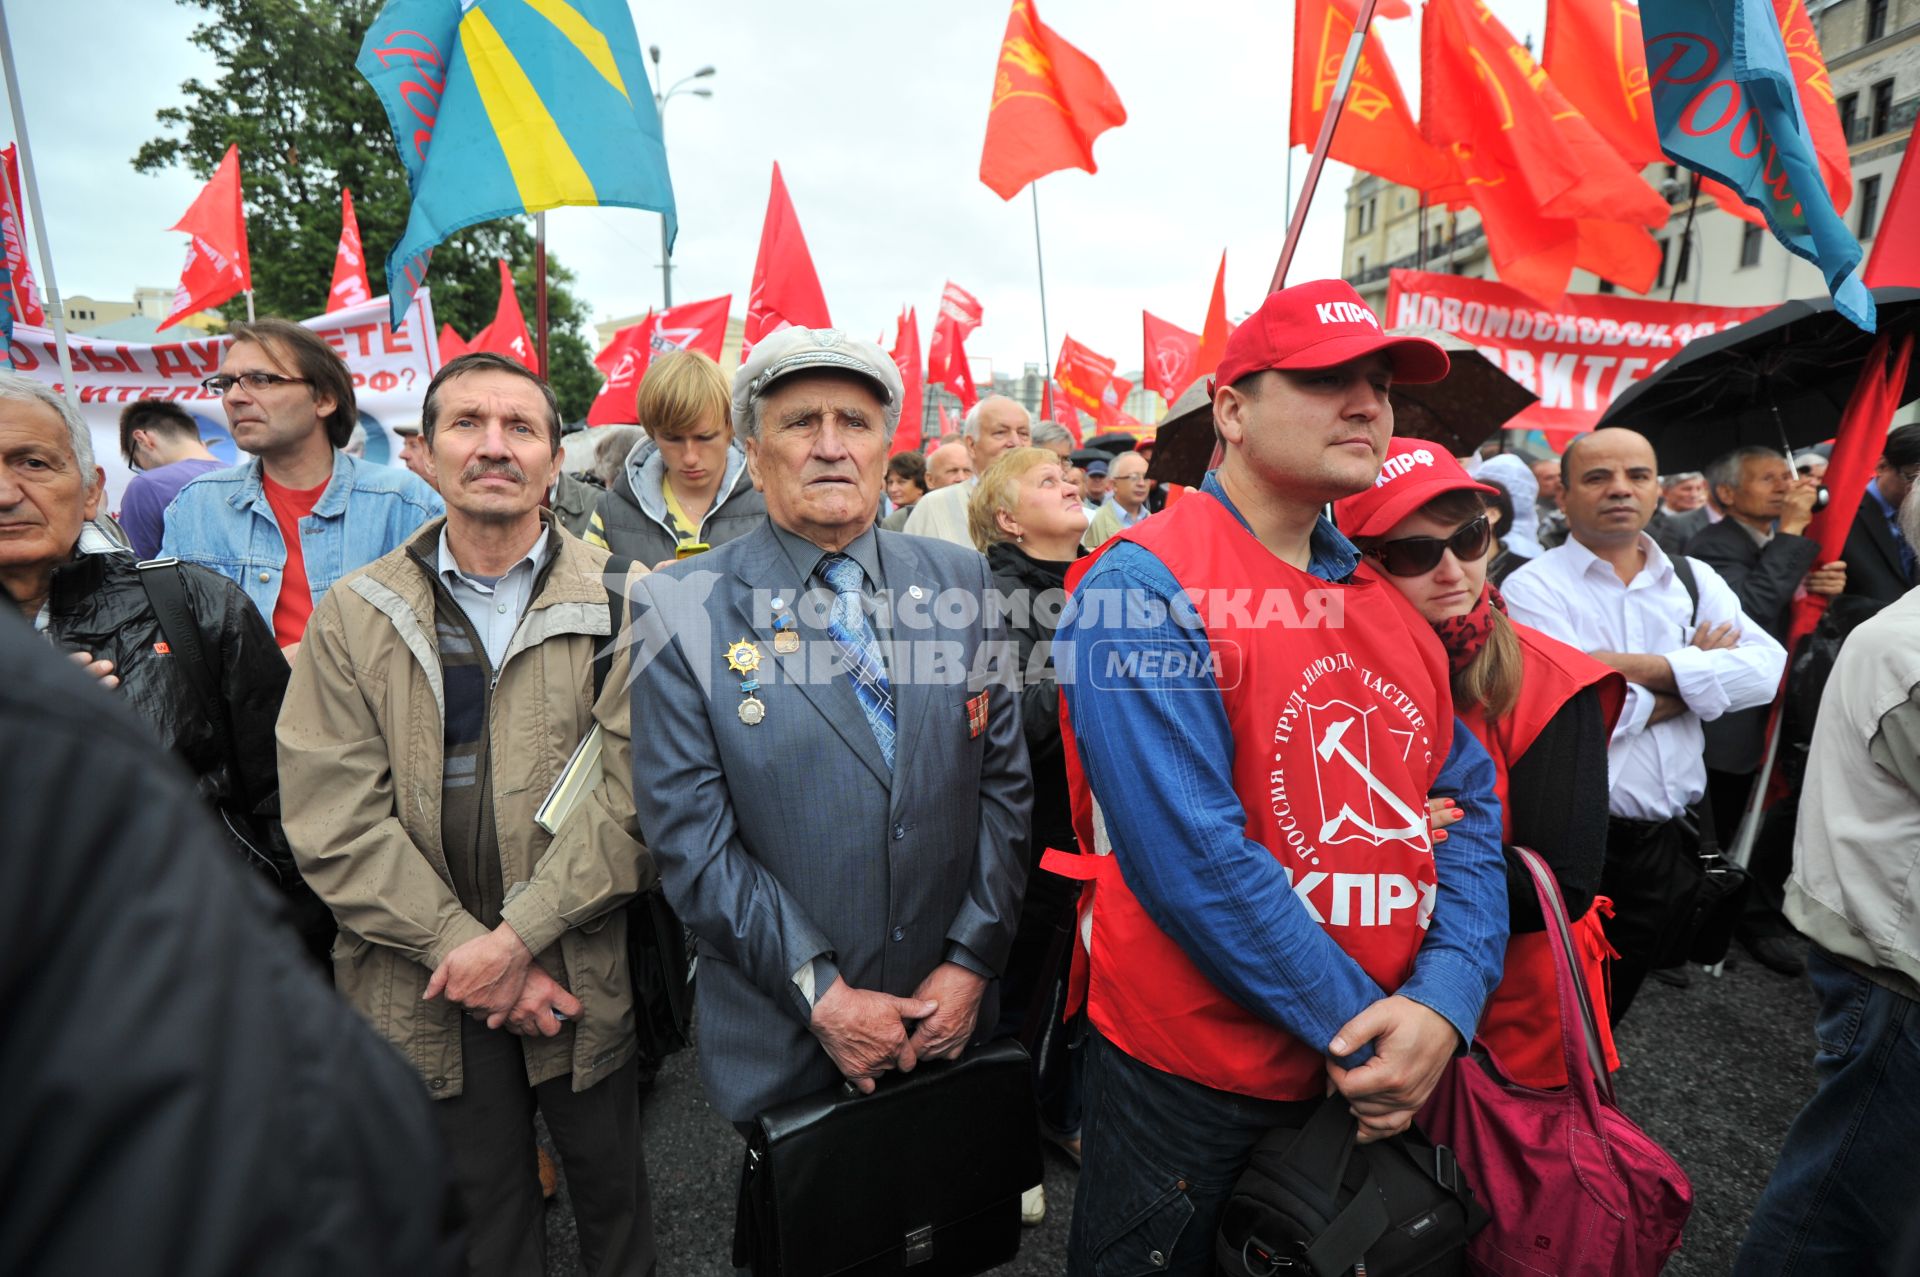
{"x":1459,"y":412}
{"x":1779,"y":381}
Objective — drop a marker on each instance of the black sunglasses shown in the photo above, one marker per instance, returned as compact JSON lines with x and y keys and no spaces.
{"x":1416,"y":556}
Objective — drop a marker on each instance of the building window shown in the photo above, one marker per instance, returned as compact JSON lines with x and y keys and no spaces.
{"x":1606,"y":286}
{"x":1750,"y":240}
{"x":1360,"y":264}
{"x":1868,"y":204}
{"x":1876,"y":19}
{"x":1849,"y":116}
{"x":1880,"y":117}
{"x":1684,"y":267}
{"x":1660,"y":280}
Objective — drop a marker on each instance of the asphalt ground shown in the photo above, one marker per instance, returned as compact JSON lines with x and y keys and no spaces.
{"x":1714,"y":1072}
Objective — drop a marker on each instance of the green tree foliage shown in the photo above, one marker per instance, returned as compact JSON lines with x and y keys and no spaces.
{"x":307,"y":124}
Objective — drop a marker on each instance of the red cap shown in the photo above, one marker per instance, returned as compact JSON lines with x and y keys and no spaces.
{"x":1414,"y":473}
{"x":1318,"y":325}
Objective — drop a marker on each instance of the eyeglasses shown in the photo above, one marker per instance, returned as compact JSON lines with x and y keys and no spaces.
{"x":1416,"y":556}
{"x":221,"y":383}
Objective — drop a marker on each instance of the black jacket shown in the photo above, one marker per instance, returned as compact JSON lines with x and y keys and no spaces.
{"x":1873,"y":556}
{"x":184,"y":1094}
{"x":1016,"y":573}
{"x":1765,"y":581}
{"x":99,"y":605}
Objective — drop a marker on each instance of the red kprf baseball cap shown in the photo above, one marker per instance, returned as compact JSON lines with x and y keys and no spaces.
{"x":1318,"y":325}
{"x":1414,"y":473}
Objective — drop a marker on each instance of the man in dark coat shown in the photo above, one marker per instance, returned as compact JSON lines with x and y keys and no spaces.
{"x":184,"y":1095}
{"x":1880,"y":563}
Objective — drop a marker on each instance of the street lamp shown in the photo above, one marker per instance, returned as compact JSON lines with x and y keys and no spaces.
{"x":660,"y":106}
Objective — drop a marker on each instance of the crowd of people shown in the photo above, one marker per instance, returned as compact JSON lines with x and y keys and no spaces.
{"x":873,"y":727}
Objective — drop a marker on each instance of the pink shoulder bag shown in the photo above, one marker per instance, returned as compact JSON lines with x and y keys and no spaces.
{"x":1574,"y":1187}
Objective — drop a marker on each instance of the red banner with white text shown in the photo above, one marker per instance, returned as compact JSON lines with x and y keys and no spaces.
{"x":1578,"y":356}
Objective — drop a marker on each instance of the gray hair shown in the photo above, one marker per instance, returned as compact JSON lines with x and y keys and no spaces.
{"x":611,"y":448}
{"x":1910,"y":515}
{"x":1050,"y":432}
{"x":28,"y":391}
{"x":1725,"y":469}
{"x":1679,"y":477}
{"x":970,"y":427}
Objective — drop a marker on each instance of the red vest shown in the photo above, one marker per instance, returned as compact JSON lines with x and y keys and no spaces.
{"x":1521,"y":1023}
{"x":1342,"y":718}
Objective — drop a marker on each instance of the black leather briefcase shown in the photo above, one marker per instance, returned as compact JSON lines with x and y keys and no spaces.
{"x":923,"y":1177}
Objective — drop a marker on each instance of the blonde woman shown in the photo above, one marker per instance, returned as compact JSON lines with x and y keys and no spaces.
{"x":1029,"y":520}
{"x":685,"y":487}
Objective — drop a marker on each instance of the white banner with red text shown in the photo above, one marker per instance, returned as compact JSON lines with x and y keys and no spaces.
{"x":1577,"y":356}
{"x":391,"y":368}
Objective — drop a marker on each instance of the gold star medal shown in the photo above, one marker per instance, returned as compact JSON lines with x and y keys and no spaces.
{"x":743,"y":657}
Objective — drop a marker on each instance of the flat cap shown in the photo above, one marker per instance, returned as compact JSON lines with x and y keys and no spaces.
{"x":797,"y":350}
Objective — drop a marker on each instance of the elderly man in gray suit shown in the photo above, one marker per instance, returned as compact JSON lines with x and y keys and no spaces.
{"x":833,"y":788}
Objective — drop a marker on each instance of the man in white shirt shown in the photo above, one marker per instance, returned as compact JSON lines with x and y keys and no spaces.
{"x":1612,"y":592}
{"x":994,"y":425}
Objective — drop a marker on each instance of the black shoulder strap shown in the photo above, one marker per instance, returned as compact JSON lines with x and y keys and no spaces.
{"x":618,"y":565}
{"x":1683,"y":568}
{"x":166,"y":589}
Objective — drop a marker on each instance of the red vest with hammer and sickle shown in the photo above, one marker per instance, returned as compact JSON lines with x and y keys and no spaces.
{"x":1342,"y":718}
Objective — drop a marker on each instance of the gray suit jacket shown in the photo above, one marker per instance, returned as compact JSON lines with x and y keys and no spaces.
{"x":788,"y":840}
{"x":1766,"y":580}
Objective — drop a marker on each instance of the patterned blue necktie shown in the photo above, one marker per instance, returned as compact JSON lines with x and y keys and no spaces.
{"x":848,"y":625}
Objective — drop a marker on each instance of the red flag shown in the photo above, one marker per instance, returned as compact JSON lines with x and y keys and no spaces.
{"x":1551,"y":192}
{"x":1082,"y":375}
{"x":906,"y":357}
{"x":26,"y":298}
{"x":507,"y":334}
{"x":623,"y":363}
{"x":1896,"y":250}
{"x":700,"y":326}
{"x":1050,"y":101}
{"x":786,"y":291}
{"x":1113,"y":398}
{"x":1816,"y":104}
{"x":1596,"y":56}
{"x":1376,"y":131}
{"x":1065,"y":413}
{"x":1172,"y":357}
{"x":1856,"y":449}
{"x":959,"y":315}
{"x":1214,"y":333}
{"x":452,"y":344}
{"x":350,"y":287}
{"x":217,"y":268}
{"x":946,"y":426}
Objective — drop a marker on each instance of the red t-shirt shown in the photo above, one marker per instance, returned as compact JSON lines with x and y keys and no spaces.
{"x":295,"y":604}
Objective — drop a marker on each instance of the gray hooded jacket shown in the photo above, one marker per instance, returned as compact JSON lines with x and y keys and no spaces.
{"x":631,"y":517}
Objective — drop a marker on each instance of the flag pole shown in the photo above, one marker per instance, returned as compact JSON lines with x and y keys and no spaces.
{"x":540,"y":285}
{"x":1342,"y":86}
{"x":249,"y":305}
{"x":1046,"y":341}
{"x":39,"y":219}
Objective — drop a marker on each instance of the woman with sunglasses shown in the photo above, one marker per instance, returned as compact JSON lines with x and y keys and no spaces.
{"x":1544,"y":712}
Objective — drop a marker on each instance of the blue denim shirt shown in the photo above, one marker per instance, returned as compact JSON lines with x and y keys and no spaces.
{"x":222,"y":521}
{"x":1159,"y":753}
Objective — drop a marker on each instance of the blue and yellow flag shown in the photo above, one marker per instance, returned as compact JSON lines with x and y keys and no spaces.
{"x":502,"y":107}
{"x":1725,"y":100}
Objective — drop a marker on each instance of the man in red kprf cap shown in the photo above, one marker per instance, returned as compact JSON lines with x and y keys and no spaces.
{"x":1254,"y":726}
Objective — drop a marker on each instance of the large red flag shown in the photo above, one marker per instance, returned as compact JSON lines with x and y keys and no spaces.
{"x":1172,"y":357}
{"x":786,"y":291}
{"x":700,"y":326}
{"x":1551,"y":192}
{"x":350,"y":287}
{"x":622,"y":364}
{"x":1857,"y":447}
{"x":1082,"y":374}
{"x":1896,"y":249}
{"x":1595,"y":55}
{"x":1113,"y":405}
{"x":26,"y":298}
{"x":906,"y":357}
{"x":1215,"y":331}
{"x":1376,"y":132}
{"x":1065,"y":413}
{"x":1816,"y":104}
{"x":1050,"y":101}
{"x":217,"y":268}
{"x":947,"y":363}
{"x":507,"y":334}
{"x":452,"y":344}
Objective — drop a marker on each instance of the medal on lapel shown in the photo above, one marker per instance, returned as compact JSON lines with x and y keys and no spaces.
{"x":786,"y":639}
{"x":744,"y":658}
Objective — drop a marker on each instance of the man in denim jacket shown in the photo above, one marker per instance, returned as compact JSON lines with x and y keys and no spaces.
{"x":289,"y":523}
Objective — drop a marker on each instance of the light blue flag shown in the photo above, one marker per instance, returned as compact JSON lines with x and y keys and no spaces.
{"x":512,"y":106}
{"x":1725,"y":102}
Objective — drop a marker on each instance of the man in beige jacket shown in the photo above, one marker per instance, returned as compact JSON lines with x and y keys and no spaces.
{"x":438,"y":696}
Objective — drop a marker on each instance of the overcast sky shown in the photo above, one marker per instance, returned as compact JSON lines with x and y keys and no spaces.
{"x":875,"y":111}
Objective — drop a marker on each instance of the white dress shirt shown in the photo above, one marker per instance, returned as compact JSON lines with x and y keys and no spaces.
{"x":942,"y":513}
{"x":494,"y":604}
{"x":1654,"y":771}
